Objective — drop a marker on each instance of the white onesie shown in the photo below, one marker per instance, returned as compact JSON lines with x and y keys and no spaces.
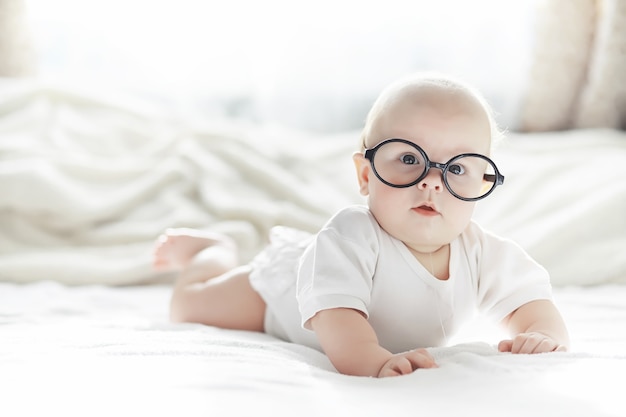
{"x":353,"y":263}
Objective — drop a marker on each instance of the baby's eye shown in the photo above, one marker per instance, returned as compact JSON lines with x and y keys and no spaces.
{"x":409,"y":159}
{"x":456,"y":169}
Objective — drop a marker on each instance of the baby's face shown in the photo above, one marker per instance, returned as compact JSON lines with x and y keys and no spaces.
{"x":426,"y":216}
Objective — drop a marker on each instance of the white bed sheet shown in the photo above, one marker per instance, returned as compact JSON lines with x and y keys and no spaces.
{"x":104,"y":351}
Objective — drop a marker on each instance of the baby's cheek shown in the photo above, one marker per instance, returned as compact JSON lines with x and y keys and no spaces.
{"x":458,"y":216}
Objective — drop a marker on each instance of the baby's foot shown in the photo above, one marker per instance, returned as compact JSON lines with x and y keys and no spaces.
{"x":175,"y":248}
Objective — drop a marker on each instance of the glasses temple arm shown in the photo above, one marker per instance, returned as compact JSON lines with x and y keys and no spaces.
{"x":498,"y":179}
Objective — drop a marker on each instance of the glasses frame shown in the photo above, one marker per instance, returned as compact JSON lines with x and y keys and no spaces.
{"x":496,"y":179}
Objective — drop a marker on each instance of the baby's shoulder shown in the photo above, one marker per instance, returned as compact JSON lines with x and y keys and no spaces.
{"x":475,"y":234}
{"x":485,"y":246}
{"x":354,"y":221}
{"x":355,"y":212}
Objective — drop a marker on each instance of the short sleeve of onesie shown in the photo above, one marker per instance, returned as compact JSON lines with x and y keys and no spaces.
{"x":508,"y":276}
{"x":336,"y":270}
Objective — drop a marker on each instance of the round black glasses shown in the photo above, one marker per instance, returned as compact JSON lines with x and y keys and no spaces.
{"x":400,"y":163}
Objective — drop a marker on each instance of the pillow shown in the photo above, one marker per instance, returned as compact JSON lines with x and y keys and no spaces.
{"x":603,"y":98}
{"x":562,"y":50}
{"x":16,"y":49}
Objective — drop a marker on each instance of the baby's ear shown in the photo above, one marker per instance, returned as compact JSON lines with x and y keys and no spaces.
{"x":362,"y":166}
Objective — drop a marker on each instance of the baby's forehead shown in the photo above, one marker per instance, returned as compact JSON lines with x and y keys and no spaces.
{"x":435,"y":96}
{"x":426,"y":96}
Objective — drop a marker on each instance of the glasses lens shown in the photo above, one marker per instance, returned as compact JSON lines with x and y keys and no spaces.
{"x":471,"y":176}
{"x":399,"y":163}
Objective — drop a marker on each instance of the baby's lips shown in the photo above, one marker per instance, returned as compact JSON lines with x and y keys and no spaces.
{"x":426,"y":208}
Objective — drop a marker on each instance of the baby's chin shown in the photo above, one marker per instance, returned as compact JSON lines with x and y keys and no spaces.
{"x":429,"y":242}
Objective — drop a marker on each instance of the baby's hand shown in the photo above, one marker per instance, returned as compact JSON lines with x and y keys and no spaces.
{"x":531,"y":342}
{"x":407,"y":362}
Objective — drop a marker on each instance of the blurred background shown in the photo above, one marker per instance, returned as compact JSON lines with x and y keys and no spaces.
{"x":120,"y":118}
{"x":309,"y":65}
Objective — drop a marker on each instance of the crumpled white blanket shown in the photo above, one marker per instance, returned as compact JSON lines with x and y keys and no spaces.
{"x":104,"y":351}
{"x":88,"y":181}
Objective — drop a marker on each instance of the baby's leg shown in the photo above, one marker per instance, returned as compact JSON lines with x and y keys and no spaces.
{"x":227,"y":301}
{"x":211,"y":288}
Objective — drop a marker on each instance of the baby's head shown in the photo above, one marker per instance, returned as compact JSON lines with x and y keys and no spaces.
{"x":430,"y":90}
{"x":430,"y":118}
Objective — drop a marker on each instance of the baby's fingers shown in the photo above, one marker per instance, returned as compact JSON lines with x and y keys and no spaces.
{"x":505,"y":345}
{"x":420,"y":358}
{"x":407,"y":362}
{"x":530,"y":343}
{"x":396,"y":366}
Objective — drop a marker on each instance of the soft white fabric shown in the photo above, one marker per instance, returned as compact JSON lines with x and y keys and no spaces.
{"x":110,"y":351}
{"x":87,"y":182}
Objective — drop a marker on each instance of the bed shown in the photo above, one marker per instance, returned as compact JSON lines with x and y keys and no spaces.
{"x":89,"y":177}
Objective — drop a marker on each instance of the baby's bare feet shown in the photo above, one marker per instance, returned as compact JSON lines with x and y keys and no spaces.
{"x":176,"y":248}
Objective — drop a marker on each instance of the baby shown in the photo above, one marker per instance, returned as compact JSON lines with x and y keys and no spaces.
{"x":378,"y":284}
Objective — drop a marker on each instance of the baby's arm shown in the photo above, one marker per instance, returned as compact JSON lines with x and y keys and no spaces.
{"x":352,"y":346}
{"x":536,"y":327}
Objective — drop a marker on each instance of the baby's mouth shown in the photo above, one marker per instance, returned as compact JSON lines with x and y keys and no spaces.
{"x":426,"y":209}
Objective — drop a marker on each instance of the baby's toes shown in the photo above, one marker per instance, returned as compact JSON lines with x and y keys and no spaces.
{"x":160,"y":257}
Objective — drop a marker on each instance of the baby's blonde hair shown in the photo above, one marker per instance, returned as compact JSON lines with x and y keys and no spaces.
{"x":420,"y":84}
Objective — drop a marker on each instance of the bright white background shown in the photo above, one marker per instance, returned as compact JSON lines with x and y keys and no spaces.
{"x":314,"y":65}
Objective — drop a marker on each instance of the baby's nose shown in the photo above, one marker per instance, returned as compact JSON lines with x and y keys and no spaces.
{"x":432,"y":181}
